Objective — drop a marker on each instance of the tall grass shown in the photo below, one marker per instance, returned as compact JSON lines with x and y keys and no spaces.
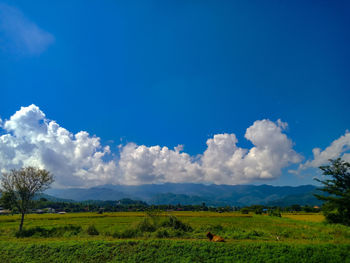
{"x":169,"y":226}
{"x":61,"y":231}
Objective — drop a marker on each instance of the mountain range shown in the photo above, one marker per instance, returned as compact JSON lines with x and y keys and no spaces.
{"x":196,"y":194}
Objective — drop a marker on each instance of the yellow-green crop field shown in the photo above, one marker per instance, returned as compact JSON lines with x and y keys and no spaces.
{"x":173,"y":237}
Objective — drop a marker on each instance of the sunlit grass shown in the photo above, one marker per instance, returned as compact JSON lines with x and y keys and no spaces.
{"x":309,"y":217}
{"x":233,"y":226}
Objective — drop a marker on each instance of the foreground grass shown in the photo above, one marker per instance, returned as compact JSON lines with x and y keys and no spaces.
{"x":171,"y":251}
{"x":249,"y":238}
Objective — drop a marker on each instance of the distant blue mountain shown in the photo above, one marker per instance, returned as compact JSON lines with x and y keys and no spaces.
{"x":189,"y":193}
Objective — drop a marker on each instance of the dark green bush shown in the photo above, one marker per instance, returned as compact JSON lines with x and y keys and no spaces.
{"x":92,"y":231}
{"x":146,"y":226}
{"x":245,"y":211}
{"x":176,"y":223}
{"x":258,"y":211}
{"x":127,"y":233}
{"x":39,"y":231}
{"x":275,"y":212}
{"x":334,"y":217}
{"x":60,"y":231}
{"x":161,"y":233}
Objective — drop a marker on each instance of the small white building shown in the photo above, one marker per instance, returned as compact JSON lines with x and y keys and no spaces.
{"x":50,"y":210}
{"x":4,"y":211}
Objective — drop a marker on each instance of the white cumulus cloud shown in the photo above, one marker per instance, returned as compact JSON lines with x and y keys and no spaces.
{"x":19,"y":34}
{"x":338,"y":148}
{"x":142,"y":164}
{"x":222,"y":162}
{"x":74,"y":159}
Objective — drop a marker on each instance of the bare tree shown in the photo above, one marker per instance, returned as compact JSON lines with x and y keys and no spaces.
{"x":20,"y":186}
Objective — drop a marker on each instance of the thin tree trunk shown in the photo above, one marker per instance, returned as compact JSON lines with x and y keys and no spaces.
{"x":21,"y":225}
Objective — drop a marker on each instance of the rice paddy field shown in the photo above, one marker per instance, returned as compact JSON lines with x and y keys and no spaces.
{"x":172,"y":237}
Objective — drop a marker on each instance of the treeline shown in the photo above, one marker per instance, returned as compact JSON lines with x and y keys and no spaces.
{"x":90,"y":206}
{"x":44,"y":205}
{"x":123,"y":205}
{"x":260,"y":209}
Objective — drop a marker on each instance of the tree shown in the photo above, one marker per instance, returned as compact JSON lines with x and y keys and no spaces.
{"x":337,"y":202}
{"x":296,"y":207}
{"x":19,"y":187}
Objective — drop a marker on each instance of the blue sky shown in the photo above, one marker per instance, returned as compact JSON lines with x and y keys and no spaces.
{"x":180,"y":72}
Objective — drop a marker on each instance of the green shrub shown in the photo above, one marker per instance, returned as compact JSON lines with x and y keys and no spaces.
{"x":161,"y":233}
{"x":92,"y":231}
{"x":245,"y":211}
{"x":176,"y":223}
{"x":146,"y":226}
{"x":127,"y":233}
{"x":258,"y":211}
{"x":275,"y":212}
{"x":60,"y":231}
{"x":39,"y":231}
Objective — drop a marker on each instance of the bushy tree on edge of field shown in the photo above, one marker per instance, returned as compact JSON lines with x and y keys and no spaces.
{"x":337,"y":203}
{"x":19,"y":187}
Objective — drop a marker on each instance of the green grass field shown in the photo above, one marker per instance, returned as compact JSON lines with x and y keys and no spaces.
{"x":137,"y":237}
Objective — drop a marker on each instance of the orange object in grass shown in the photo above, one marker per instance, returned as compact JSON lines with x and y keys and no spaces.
{"x":214,"y":238}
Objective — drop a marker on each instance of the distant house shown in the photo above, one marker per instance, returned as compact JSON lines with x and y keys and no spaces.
{"x":317,"y":208}
{"x":4,"y":211}
{"x":50,"y":210}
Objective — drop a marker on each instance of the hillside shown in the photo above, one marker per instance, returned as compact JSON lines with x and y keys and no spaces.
{"x":215,"y":195}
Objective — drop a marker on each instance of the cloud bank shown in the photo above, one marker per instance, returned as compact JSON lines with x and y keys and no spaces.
{"x":223,"y":162}
{"x":338,"y":148}
{"x":29,"y":138}
{"x":20,"y":35}
{"x":74,"y":159}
